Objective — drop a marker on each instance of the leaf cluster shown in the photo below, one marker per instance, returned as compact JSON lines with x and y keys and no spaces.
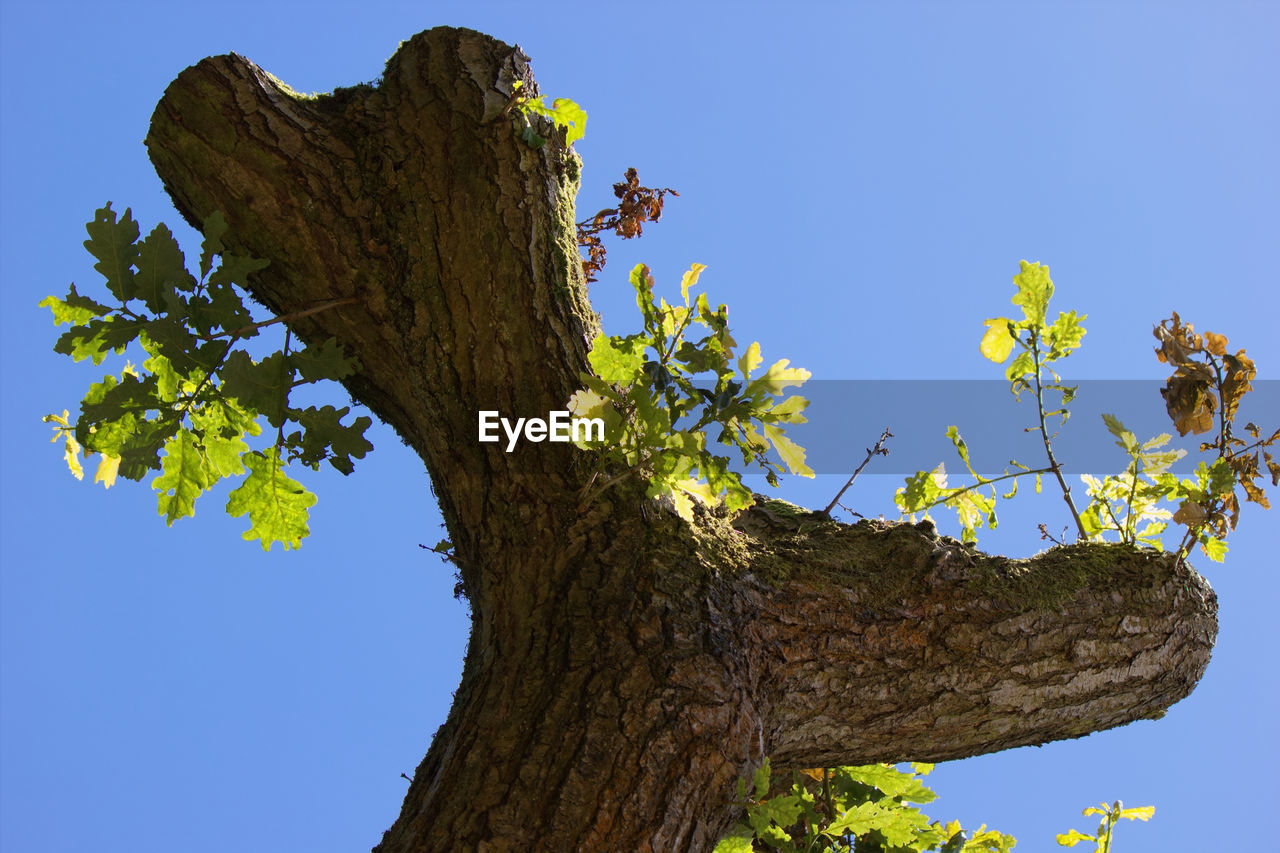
{"x":637,"y":205}
{"x":1111,"y":815}
{"x":661,"y":390}
{"x":1129,"y":503}
{"x":1203,"y":394}
{"x":870,"y":809}
{"x":1038,"y":344}
{"x":188,"y":409}
{"x":562,"y":112}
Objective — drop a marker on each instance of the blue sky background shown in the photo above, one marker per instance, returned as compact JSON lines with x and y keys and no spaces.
{"x":861,"y":180}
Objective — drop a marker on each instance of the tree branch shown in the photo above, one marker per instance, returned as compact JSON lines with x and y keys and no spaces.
{"x":881,"y":642}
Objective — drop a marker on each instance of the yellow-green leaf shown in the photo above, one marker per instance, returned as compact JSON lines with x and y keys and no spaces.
{"x":792,"y":454}
{"x":750,"y":360}
{"x":997,"y":343}
{"x":1139,"y":812}
{"x":108,"y":468}
{"x":777,"y":377}
{"x":277,"y":506}
{"x":789,"y":410}
{"x":1034,"y":291}
{"x":185,"y":477}
{"x":1072,"y":838}
{"x":690,"y":279}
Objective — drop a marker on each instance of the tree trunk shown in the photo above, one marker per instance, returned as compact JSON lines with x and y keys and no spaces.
{"x":624,"y":667}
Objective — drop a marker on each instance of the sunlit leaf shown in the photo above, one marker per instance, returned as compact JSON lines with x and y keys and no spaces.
{"x":750,"y":360}
{"x":277,"y":506}
{"x":185,"y":477}
{"x":689,"y":279}
{"x":997,"y":343}
{"x":1035,"y":288}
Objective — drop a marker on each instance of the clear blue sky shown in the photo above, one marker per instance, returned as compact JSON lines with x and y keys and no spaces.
{"x":861,"y":180}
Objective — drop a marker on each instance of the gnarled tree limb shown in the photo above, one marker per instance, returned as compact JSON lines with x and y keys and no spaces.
{"x":625,"y":667}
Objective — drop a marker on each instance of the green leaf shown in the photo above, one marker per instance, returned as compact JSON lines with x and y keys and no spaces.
{"x":236,"y":269}
{"x":277,"y":506}
{"x":71,"y":448}
{"x":325,"y":361}
{"x":220,"y":308}
{"x":1222,"y":478}
{"x":922,"y":488}
{"x":532,"y":138}
{"x":171,"y":337}
{"x":1023,"y":364}
{"x":1034,"y":291}
{"x":325,"y":436}
{"x":112,"y":243}
{"x":95,"y":339}
{"x":186,"y":476}
{"x":75,"y":309}
{"x":779,"y":811}
{"x":572,"y":117}
{"x":789,"y":410}
{"x":792,"y":454}
{"x":1128,"y":440}
{"x":167,"y":379}
{"x":777,"y":377}
{"x":1065,"y":334}
{"x":161,"y":270}
{"x":618,"y":360}
{"x":1214,"y":549}
{"x":224,"y":455}
{"x":738,"y":841}
{"x":261,"y":387}
{"x":215,"y":228}
{"x":689,"y":279}
{"x":750,"y":360}
{"x":892,"y":782}
{"x":113,"y":422}
{"x":953,"y":433}
{"x":112,"y":399}
{"x":1074,"y":837}
{"x":760,"y":779}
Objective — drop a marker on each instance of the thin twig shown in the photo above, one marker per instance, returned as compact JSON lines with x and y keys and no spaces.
{"x":283,"y":318}
{"x":978,"y":485}
{"x":878,"y":450}
{"x":1048,"y":448}
{"x":1045,"y":534}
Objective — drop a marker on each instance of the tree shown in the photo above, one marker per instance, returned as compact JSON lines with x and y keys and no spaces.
{"x":625,"y":667}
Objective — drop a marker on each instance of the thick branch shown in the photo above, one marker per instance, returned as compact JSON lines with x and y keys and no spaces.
{"x":416,"y":200}
{"x":886,"y":643}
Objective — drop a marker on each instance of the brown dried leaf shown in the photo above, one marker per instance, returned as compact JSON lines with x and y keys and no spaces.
{"x":1190,"y":513}
{"x":1215,"y":343}
{"x":1273,"y":467}
{"x":1254,"y":493}
{"x":1240,"y":372}
{"x":1245,"y":467}
{"x":1178,"y":342}
{"x":1189,"y":400}
{"x":637,"y":205}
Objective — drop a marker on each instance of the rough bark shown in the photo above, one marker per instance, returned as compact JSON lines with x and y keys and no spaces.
{"x":624,"y":668}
